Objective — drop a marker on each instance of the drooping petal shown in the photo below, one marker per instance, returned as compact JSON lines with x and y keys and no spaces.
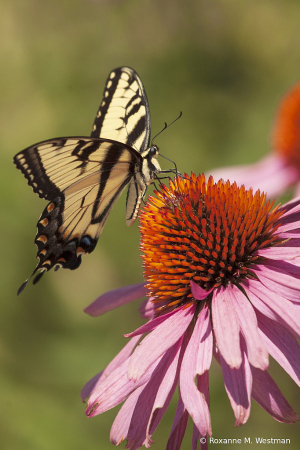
{"x":193,"y":399}
{"x":115,"y":298}
{"x":279,"y":288}
{"x":226,"y":327}
{"x":195,"y":438}
{"x":238,"y":384}
{"x":282,"y":345}
{"x":153,"y":396}
{"x":178,"y":427}
{"x":121,"y":425}
{"x":95,"y":382}
{"x":159,"y":340}
{"x":203,"y":348}
{"x":257,"y":353}
{"x":267,"y":394}
{"x":166,"y":389}
{"x":115,"y":388}
{"x":274,"y":306}
{"x":284,"y":282}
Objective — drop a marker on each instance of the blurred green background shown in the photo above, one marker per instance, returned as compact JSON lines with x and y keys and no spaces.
{"x":225,"y":64}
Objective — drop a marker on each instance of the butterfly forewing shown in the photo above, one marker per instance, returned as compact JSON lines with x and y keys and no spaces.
{"x":89,"y":175}
{"x":51,"y":166}
{"x":124,"y":113}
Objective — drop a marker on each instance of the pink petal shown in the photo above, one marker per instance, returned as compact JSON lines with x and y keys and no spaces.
{"x":288,"y":224}
{"x":287,"y":268}
{"x":257,"y":353}
{"x":282,"y":345}
{"x":198,"y":292}
{"x":267,"y":394}
{"x":159,"y":340}
{"x":90,"y":386}
{"x":289,"y":251}
{"x":238,"y":383}
{"x":152,"y":324}
{"x":204,"y":346}
{"x":275,"y":306}
{"x":291,"y":207}
{"x":271,"y":174}
{"x":154,"y":395}
{"x":289,"y":234}
{"x":166,"y":390}
{"x":279,"y":282}
{"x":115,"y":298}
{"x":226,"y":327}
{"x":193,"y":399}
{"x":95,"y":382}
{"x":195,"y":438}
{"x":115,"y":388}
{"x":203,"y":386}
{"x":121,"y":425}
{"x":178,"y":427}
{"x":147,"y":309}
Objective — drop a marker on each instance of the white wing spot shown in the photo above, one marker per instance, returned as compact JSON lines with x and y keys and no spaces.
{"x":112,"y":75}
{"x":125,"y":76}
{"x":99,"y":114}
{"x":109,"y":84}
{"x":106,"y":94}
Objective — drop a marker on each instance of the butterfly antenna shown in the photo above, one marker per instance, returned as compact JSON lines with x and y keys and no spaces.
{"x":167,"y":126}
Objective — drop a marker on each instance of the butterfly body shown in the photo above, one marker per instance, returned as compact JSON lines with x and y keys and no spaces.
{"x":82,"y":177}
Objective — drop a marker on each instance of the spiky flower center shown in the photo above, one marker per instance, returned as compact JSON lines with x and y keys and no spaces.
{"x":202,"y":231}
{"x":286,"y":130}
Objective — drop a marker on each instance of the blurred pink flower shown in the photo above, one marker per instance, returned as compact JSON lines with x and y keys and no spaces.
{"x":223,"y":275}
{"x":280,"y":170}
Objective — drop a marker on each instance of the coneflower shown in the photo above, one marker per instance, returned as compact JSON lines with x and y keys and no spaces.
{"x":222,"y":271}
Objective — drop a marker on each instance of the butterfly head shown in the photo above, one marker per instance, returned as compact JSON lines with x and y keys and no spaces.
{"x":150,"y":163}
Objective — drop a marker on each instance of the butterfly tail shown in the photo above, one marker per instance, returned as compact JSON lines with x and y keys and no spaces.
{"x":36,"y":279}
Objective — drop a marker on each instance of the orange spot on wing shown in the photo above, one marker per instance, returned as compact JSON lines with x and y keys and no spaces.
{"x":50,"y":207}
{"x":44,"y":222}
{"x":42,"y":238}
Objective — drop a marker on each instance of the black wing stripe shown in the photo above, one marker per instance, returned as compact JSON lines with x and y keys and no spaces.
{"x":104,"y":213}
{"x":36,"y":171}
{"x":138,"y":129}
{"x":98,"y":122}
{"x":113,"y":159}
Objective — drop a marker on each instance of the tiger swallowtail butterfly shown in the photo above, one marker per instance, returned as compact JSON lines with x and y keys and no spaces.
{"x":82,"y":177}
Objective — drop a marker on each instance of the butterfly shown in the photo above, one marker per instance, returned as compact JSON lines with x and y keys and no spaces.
{"x":82,"y":177}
